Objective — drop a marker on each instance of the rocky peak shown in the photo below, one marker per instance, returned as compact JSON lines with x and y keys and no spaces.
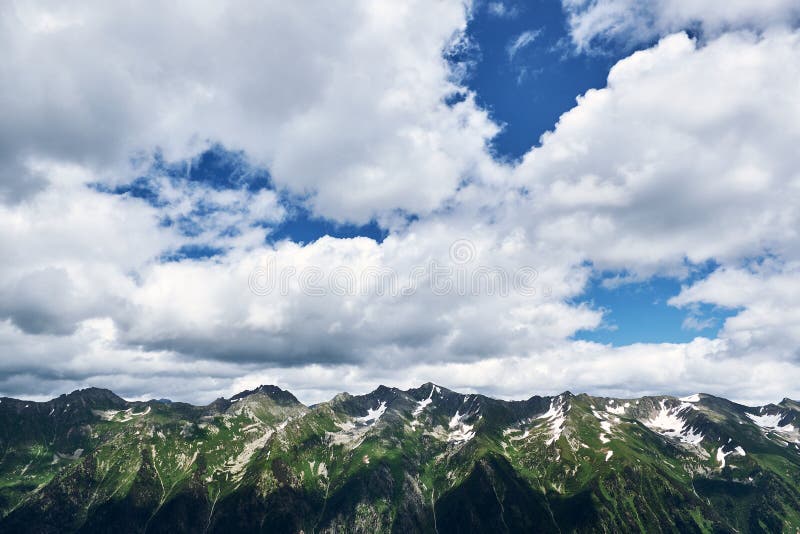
{"x":278,"y":395}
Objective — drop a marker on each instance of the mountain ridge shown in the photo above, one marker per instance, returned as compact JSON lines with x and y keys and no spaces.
{"x":263,"y":388}
{"x":425,"y":459}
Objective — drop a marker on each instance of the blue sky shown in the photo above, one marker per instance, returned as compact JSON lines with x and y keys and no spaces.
{"x":529,"y":90}
{"x":526,"y":92}
{"x":157,"y":164}
{"x":639,"y":313}
{"x":634,"y":312}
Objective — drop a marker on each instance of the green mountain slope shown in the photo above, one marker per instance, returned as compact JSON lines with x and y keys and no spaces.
{"x":422,"y":460}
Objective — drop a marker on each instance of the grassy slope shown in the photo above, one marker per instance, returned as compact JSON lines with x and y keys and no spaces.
{"x":268,"y":463}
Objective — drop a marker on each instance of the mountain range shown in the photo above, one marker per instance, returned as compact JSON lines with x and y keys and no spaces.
{"x":420,"y":460}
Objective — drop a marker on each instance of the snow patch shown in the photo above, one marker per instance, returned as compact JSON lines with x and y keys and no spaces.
{"x":352,"y":433}
{"x":721,"y":457}
{"x":738,"y":451}
{"x":771,"y":422}
{"x":617,"y":410}
{"x":555,"y":418}
{"x":372,"y":415}
{"x":606,"y":423}
{"x":609,"y":454}
{"x":606,"y":426}
{"x":129,"y":415}
{"x":106,"y":415}
{"x":460,"y":432}
{"x":670,"y":422}
{"x":421,"y":405}
{"x":691,"y":398}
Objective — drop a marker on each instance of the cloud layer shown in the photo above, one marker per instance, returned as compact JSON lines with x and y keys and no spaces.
{"x":343,"y":101}
{"x":686,"y":158}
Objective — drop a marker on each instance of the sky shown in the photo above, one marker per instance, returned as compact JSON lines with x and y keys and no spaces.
{"x":511,"y":198}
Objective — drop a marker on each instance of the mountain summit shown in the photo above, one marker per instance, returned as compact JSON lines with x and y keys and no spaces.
{"x":281,"y":396}
{"x":426,"y":459}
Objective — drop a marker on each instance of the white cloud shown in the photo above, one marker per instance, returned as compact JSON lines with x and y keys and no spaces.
{"x":206,"y":308}
{"x":346,"y":106}
{"x":640,"y":21}
{"x":768,"y":323}
{"x":49,"y":366}
{"x":224,"y":218}
{"x":46,"y":366}
{"x":697,"y":323}
{"x":521,"y":41}
{"x":502,"y":10}
{"x":687,"y":155}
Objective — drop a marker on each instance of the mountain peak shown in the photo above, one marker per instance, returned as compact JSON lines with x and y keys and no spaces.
{"x":382,"y":390}
{"x":280,"y":396}
{"x":93,"y":396}
{"x":427,"y":387}
{"x":341,"y":397}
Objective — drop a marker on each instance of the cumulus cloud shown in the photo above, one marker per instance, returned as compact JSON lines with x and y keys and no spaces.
{"x":387,"y":315}
{"x":91,"y":356}
{"x":768,"y":324}
{"x":686,"y":157}
{"x":635,"y":22}
{"x":43,"y":367}
{"x":346,"y":106}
